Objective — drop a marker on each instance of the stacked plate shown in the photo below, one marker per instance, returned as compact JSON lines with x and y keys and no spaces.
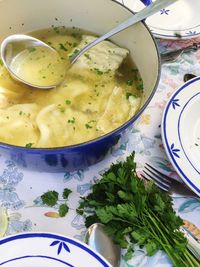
{"x":179,"y":20}
{"x":181,"y":132}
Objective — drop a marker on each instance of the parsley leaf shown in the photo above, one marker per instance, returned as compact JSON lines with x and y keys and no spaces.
{"x":66,"y":193}
{"x":63,"y":210}
{"x":50,"y":198}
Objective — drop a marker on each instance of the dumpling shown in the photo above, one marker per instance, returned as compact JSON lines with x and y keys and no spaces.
{"x":104,"y":57}
{"x":18,"y":126}
{"x":61,"y":126}
{"x":118,"y":110}
{"x":10,"y":91}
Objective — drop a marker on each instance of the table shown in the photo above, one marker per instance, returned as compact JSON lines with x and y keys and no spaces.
{"x":20,"y":189}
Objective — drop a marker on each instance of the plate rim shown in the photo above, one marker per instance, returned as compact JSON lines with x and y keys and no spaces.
{"x":165,"y":141}
{"x":56,"y":236}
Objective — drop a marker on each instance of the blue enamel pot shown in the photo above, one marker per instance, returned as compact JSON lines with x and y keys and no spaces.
{"x":99,"y":16}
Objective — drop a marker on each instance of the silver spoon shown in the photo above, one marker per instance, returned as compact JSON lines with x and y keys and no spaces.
{"x":141,"y":15}
{"x":99,"y":241}
{"x":13,"y":45}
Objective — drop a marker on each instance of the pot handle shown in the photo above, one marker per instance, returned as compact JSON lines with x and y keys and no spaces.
{"x":146,"y":2}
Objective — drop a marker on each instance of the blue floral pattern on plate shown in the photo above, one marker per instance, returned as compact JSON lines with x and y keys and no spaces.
{"x":169,"y":23}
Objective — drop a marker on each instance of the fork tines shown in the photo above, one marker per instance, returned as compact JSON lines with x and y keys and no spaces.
{"x":160,"y":179}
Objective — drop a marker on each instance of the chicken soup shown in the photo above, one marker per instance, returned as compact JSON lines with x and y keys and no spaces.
{"x":99,"y":92}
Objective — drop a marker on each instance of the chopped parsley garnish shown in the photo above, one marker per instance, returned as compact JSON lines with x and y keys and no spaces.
{"x":62,"y":47}
{"x":31,"y":49}
{"x":73,"y":120}
{"x":140,"y":87}
{"x":74,"y":34}
{"x":74,"y":53}
{"x":134,"y":70}
{"x":29,"y":145}
{"x":128,"y":94}
{"x":56,"y":29}
{"x":88,"y":126}
{"x":98,"y":72}
{"x":87,"y":56}
{"x":1,"y":62}
{"x":62,"y":109}
{"x":129,"y":82}
{"x":67,"y":102}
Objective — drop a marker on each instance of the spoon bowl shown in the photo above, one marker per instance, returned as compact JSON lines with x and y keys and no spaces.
{"x":25,"y":57}
{"x":98,"y":240}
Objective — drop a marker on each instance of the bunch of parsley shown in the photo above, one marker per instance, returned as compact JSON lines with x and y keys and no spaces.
{"x":136,"y":213}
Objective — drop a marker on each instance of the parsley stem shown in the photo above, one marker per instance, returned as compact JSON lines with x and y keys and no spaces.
{"x":166,"y":245}
{"x":191,"y":259}
{"x":125,"y":221}
{"x":158,"y":228}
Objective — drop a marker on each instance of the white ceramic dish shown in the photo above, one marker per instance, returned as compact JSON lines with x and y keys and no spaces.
{"x":49,"y":250}
{"x":181,"y":132}
{"x":179,"y":20}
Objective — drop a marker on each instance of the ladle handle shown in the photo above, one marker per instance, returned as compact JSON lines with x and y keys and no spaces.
{"x":144,"y":13}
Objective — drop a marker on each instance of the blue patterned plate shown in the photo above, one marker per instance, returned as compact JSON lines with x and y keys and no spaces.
{"x":179,"y":20}
{"x":47,"y":250}
{"x":181,"y":132}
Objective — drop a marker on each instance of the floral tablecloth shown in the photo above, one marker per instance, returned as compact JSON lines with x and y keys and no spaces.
{"x":20,"y":189}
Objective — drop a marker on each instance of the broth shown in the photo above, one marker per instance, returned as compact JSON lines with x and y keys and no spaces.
{"x":99,"y":93}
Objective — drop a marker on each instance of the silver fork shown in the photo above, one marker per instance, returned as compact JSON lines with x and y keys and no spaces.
{"x":175,"y":54}
{"x":166,"y":183}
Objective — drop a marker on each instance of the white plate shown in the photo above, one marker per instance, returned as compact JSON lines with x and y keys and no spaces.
{"x":179,"y":20}
{"x":181,"y":132}
{"x":48,"y":250}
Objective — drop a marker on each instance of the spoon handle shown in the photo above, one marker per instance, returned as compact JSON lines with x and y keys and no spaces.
{"x":144,"y":13}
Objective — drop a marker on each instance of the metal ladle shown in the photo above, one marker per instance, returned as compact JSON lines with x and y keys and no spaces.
{"x":16,"y":44}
